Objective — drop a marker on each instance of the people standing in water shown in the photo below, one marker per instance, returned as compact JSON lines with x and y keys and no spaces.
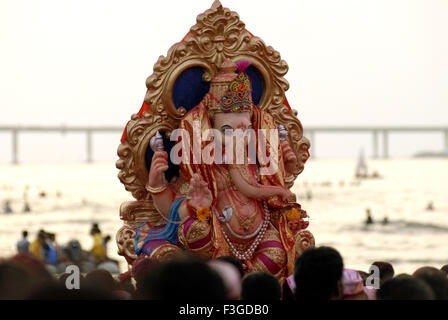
{"x":26,"y":207}
{"x":26,"y":204}
{"x":23,"y":245}
{"x":369,"y":219}
{"x":309,"y":195}
{"x":7,"y":207}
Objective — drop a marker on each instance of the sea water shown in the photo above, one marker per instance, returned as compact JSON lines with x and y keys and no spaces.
{"x":67,"y":198}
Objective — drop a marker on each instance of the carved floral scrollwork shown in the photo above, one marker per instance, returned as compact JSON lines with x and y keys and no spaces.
{"x":304,"y":239}
{"x":125,"y":242}
{"x":133,"y":213}
{"x":166,"y":252}
{"x":217,"y":34}
{"x":303,"y":147}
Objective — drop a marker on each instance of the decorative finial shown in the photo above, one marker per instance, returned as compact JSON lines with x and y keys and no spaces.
{"x":216,"y":4}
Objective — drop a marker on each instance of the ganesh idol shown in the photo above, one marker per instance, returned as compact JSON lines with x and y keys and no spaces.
{"x":227,"y":207}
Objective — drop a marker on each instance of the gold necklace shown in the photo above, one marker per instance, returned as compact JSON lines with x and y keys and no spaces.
{"x":246,"y":222}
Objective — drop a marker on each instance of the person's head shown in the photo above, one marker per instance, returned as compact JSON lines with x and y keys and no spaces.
{"x":426,"y":270}
{"x":436,"y":279}
{"x":41,"y":236}
{"x":236,"y":262}
{"x":95,"y":229}
{"x":181,"y":279}
{"x":386,"y":270}
{"x":126,"y":285}
{"x":445,"y":269}
{"x":73,"y":251}
{"x":260,"y":286}
{"x":51,"y":237}
{"x":24,"y":233}
{"x":141,"y":267}
{"x":230,"y":275}
{"x":100,"y":279}
{"x":405,"y":287}
{"x":364,"y":276}
{"x":318,"y":274}
{"x":15,"y":281}
{"x":35,"y":267}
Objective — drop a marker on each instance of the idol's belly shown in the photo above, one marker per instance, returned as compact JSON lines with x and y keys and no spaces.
{"x":245,"y":220}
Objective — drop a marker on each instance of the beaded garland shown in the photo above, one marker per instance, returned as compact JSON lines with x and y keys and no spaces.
{"x":247,"y":255}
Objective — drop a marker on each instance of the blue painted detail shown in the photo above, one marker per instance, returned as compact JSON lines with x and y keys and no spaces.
{"x":189,"y":88}
{"x":257,"y":83}
{"x":168,"y":233}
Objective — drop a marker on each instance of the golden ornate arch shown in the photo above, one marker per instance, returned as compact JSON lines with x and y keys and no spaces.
{"x":218,"y":34}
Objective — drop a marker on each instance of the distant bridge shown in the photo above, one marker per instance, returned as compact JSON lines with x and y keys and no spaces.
{"x":309,"y":131}
{"x":89,"y":131}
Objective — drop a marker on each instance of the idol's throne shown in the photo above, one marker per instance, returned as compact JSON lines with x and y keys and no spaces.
{"x":179,"y":82}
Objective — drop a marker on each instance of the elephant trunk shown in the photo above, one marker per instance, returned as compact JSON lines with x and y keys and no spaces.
{"x":253,"y":189}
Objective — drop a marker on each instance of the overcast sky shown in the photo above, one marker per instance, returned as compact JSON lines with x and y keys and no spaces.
{"x":357,"y":62}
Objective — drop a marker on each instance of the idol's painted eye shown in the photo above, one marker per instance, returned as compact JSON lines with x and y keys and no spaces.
{"x":226,"y":129}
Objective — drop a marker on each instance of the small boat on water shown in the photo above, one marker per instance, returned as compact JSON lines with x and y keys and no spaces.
{"x":361,"y":167}
{"x":362,"y":170}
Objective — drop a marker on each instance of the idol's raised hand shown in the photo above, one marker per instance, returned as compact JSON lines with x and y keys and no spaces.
{"x":199,"y":195}
{"x":159,"y":165}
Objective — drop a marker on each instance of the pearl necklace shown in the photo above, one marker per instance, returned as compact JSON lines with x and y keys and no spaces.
{"x":250,"y":251}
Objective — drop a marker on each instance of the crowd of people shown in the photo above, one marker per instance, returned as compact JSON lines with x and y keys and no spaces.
{"x":56,"y":258}
{"x":319,"y":275}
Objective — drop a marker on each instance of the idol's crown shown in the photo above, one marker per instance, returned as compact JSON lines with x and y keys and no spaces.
{"x":230,"y":91}
{"x":238,"y":97}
